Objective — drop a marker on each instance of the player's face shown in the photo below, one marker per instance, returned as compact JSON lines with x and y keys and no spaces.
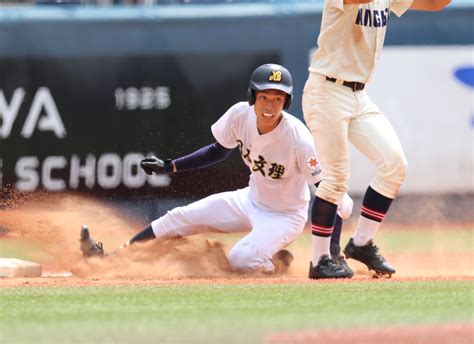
{"x":268,"y":108}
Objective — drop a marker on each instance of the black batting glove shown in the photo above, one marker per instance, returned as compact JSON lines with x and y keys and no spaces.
{"x":153,"y":164}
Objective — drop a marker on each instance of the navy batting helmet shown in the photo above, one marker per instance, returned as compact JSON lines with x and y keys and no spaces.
{"x":271,"y":77}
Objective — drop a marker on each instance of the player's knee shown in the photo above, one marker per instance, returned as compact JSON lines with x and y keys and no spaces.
{"x":396,"y":170}
{"x":338,"y":181}
{"x":403,"y":168}
{"x":241,"y":260}
{"x":332,"y":190}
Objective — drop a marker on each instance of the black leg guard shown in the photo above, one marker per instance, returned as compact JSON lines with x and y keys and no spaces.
{"x":336,"y":236}
{"x":145,"y":235}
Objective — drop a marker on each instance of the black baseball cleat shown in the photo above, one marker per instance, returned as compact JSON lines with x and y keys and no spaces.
{"x":326,"y":269}
{"x":370,"y":256}
{"x":282,"y":260}
{"x":339,"y":259}
{"x":89,"y":247}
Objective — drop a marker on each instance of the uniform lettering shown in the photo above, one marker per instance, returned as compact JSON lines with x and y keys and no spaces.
{"x":244,"y":152}
{"x":259,"y":164}
{"x":359,"y":17}
{"x":276,"y":171}
{"x":372,"y":18}
{"x":377,"y":21}
{"x":384,"y":17}
{"x":368,"y":18}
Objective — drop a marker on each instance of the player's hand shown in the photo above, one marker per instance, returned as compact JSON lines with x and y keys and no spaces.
{"x":153,"y":164}
{"x":344,"y":210}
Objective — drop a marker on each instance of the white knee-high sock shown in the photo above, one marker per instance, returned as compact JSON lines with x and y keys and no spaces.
{"x":320,"y":248}
{"x":365,"y":230}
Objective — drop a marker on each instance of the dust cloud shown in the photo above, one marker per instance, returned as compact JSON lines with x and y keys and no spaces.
{"x":53,"y":222}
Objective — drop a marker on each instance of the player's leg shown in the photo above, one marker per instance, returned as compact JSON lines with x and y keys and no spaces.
{"x":270,"y":233}
{"x":327,"y":109}
{"x":373,"y":135}
{"x":335,"y":248}
{"x":221,"y":212}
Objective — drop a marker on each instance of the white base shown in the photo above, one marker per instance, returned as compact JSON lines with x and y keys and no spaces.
{"x":12,"y":267}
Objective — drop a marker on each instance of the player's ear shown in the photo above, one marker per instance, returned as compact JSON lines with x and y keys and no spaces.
{"x":288,"y":102}
{"x":251,"y":96}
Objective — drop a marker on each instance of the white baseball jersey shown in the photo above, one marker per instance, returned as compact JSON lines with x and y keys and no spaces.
{"x":282,"y":162}
{"x":352,"y":37}
{"x":273,"y":209}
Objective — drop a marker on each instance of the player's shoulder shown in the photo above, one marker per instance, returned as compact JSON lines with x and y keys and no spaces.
{"x":240,"y":108}
{"x":237,"y":112}
{"x":298,"y":130}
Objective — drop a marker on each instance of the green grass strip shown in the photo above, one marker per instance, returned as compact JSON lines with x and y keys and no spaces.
{"x":221,"y":313}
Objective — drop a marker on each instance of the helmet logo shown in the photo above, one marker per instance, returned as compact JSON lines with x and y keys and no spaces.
{"x":275,"y":76}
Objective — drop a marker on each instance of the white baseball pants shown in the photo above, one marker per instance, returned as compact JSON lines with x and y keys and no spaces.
{"x":336,"y":115}
{"x":234,"y":212}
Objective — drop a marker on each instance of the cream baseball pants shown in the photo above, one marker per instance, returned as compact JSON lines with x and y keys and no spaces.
{"x":336,"y":115}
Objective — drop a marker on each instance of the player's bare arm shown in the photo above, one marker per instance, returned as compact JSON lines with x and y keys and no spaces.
{"x":429,"y":5}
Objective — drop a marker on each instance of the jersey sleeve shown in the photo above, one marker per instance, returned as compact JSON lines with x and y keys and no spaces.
{"x":399,"y":7}
{"x":224,"y":129}
{"x":308,"y":162}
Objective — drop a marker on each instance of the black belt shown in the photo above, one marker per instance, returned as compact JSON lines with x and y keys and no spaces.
{"x":354,"y":85}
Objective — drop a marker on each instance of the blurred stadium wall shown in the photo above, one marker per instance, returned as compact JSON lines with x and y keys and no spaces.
{"x":86,"y":91}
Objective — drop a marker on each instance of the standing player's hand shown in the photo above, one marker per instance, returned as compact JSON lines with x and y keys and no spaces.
{"x":153,"y":164}
{"x":344,"y":209}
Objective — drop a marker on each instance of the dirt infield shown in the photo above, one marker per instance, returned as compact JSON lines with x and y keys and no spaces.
{"x":75,"y":281}
{"x":442,"y":334}
{"x":52,"y":222}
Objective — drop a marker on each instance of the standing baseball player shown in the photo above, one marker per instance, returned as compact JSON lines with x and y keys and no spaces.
{"x":338,"y":110}
{"x":280,"y":153}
